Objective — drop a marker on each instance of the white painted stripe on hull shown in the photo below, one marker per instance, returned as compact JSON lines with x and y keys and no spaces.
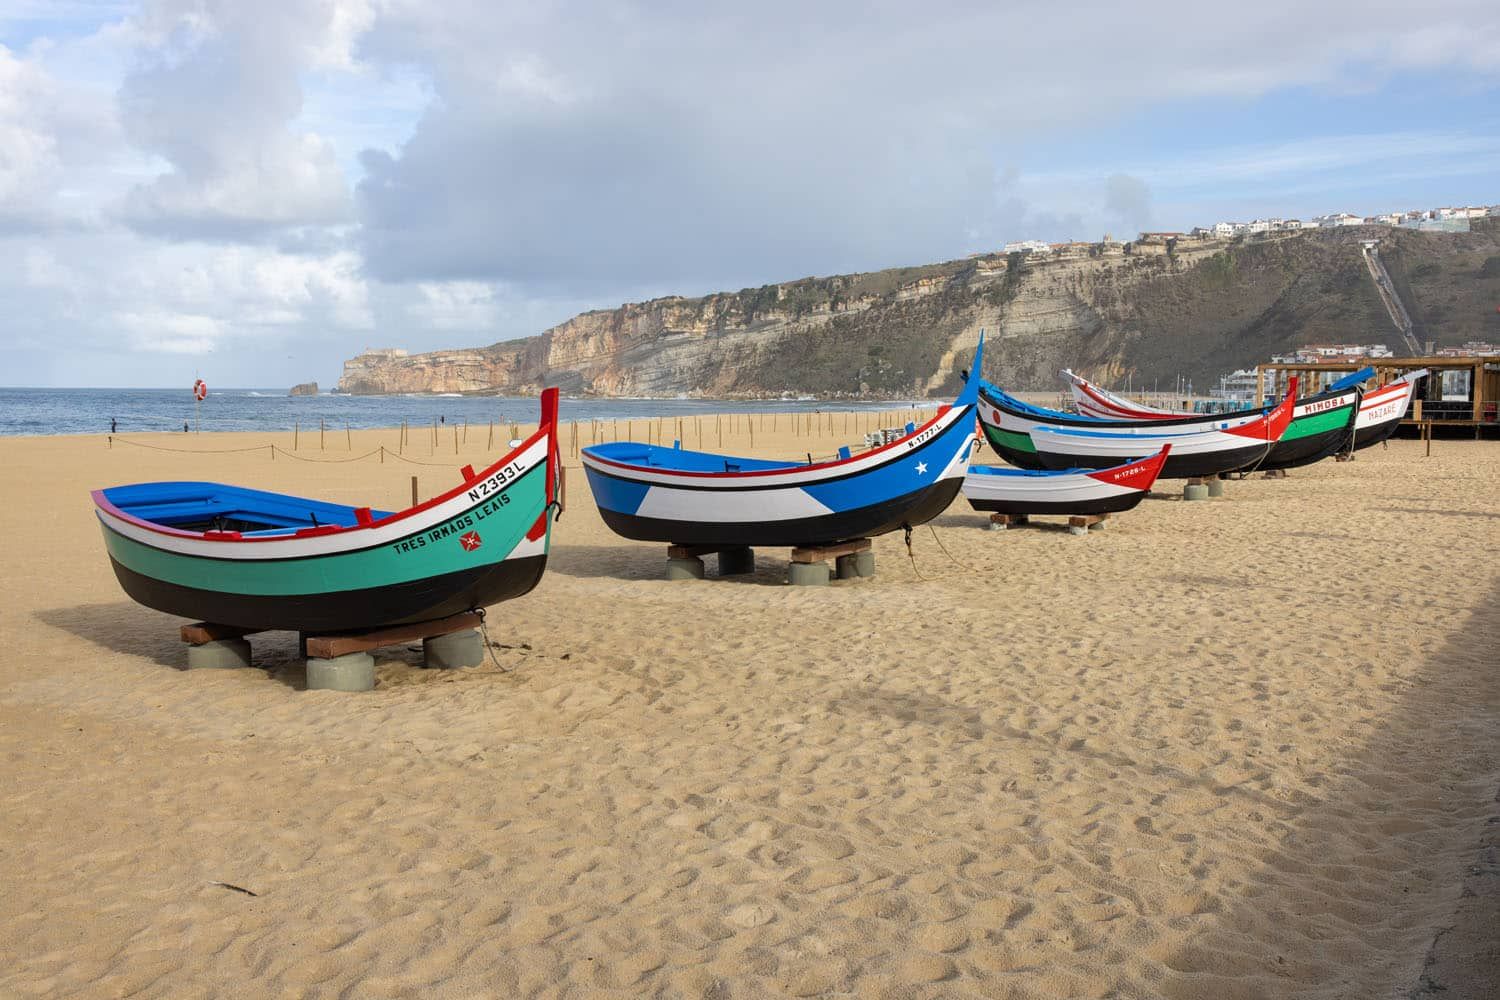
{"x":787,"y":504}
{"x":1069,"y":488}
{"x":1059,"y":441}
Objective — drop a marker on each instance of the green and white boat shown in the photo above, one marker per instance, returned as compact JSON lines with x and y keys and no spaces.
{"x":253,"y":559}
{"x":1321,"y":425}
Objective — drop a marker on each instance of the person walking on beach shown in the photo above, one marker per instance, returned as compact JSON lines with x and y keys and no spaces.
{"x":112,"y":425}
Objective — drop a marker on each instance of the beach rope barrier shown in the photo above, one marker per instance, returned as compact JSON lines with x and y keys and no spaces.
{"x":327,"y":461}
{"x":381,"y":451}
{"x":189,"y":451}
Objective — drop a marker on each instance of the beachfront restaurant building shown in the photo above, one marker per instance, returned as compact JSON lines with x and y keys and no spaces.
{"x":1461,"y":392}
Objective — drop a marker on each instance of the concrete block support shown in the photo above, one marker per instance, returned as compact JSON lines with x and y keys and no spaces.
{"x":350,"y":672}
{"x":690,"y":568}
{"x":844,"y":569}
{"x":736,"y":562}
{"x":1195,"y":491}
{"x":864,"y":563}
{"x":808,"y":574}
{"x":1216,"y":487}
{"x":456,"y":649}
{"x":221,"y":654}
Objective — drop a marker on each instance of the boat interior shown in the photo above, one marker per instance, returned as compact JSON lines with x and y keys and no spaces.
{"x":1012,"y":473}
{"x":217,"y":507}
{"x":682,"y":460}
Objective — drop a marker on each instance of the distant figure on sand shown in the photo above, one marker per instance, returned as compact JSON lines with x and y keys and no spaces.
{"x":442,"y":420}
{"x":112,"y":426}
{"x":184,"y":427}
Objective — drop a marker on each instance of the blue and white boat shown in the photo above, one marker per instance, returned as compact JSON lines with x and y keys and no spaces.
{"x":1003,"y":490}
{"x":659,"y":494}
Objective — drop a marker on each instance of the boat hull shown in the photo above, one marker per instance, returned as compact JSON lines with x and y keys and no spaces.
{"x":1107,"y":491}
{"x":482,"y":542}
{"x":655,"y":494}
{"x":863,"y":522}
{"x":1098,"y":505}
{"x":813,"y":510}
{"x":1381,"y":411}
{"x":1313,"y":435}
{"x":1013,"y":446}
{"x":1179,"y":465}
{"x":1319,"y":427}
{"x":344,"y":610}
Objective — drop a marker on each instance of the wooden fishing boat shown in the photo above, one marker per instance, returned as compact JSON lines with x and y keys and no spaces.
{"x":660,"y":494}
{"x":249,"y":558}
{"x":1382,"y":410}
{"x":1377,"y":414}
{"x":1073,"y":491}
{"x":1322,"y":425}
{"x":1096,"y":401}
{"x":1205,"y":441}
{"x":1197,"y":450}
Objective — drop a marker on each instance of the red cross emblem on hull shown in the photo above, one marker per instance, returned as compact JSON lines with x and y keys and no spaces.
{"x":470,"y":540}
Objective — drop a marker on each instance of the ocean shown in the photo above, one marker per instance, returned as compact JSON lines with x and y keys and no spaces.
{"x":89,"y":411}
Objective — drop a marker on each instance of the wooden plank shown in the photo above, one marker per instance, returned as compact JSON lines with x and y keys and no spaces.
{"x":1086,"y":520}
{"x":200,"y":632}
{"x":326,"y":647}
{"x":812,"y":554}
{"x":694,"y":551}
{"x":1010,"y":519}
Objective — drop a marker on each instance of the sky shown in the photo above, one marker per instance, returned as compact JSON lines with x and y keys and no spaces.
{"x":253,"y":192}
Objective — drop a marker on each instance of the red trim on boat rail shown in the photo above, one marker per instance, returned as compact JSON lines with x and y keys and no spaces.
{"x":547,"y":429}
{"x":1383,"y":395}
{"x":788,"y":470}
{"x":1115,"y":407}
{"x":1274,"y":422}
{"x":1137,"y":475}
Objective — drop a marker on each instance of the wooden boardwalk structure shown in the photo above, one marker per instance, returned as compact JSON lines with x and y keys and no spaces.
{"x":1481,"y":383}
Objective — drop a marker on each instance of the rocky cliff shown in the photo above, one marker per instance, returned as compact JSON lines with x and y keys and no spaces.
{"x":1196,"y":307}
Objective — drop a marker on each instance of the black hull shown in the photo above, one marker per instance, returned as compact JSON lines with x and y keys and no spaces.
{"x":1103,"y":505}
{"x":342,"y":611}
{"x":1374,"y":435}
{"x":862,"y":522}
{"x":1176,"y":466}
{"x":1013,"y":456}
{"x":1306,"y":450}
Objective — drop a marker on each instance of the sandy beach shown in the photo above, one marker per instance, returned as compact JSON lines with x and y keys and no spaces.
{"x":1240,"y":748}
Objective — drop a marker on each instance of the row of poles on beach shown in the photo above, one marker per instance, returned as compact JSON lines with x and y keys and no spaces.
{"x":696,"y":431}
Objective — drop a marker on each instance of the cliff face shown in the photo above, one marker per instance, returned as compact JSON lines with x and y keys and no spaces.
{"x":1199,"y":308}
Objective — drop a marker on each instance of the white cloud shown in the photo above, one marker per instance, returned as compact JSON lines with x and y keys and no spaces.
{"x":273,"y":185}
{"x":215,"y":97}
{"x":455,"y":305}
{"x":161,"y":332}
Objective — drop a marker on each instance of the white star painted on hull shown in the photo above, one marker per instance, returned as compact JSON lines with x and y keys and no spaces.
{"x":921,"y":468}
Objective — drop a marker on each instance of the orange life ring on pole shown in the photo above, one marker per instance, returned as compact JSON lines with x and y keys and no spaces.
{"x":200,"y":390}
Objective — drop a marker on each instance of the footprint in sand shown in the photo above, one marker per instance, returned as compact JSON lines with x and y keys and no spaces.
{"x":749,"y":915}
